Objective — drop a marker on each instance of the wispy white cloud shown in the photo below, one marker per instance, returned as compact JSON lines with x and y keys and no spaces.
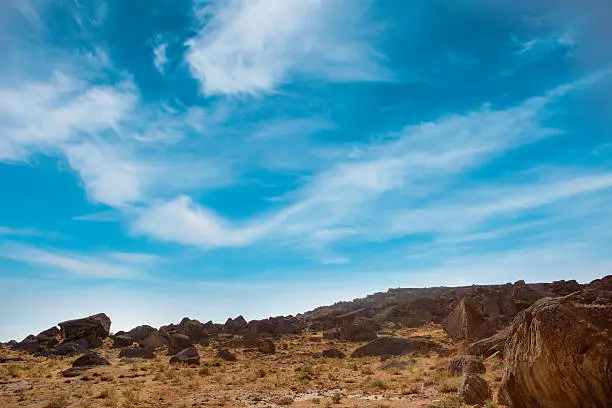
{"x":25,"y":232}
{"x":160,"y":57}
{"x":250,"y":47}
{"x":106,"y":266}
{"x":382,"y":193}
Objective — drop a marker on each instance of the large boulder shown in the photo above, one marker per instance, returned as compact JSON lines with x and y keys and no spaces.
{"x":122,"y":340}
{"x":395,"y":346}
{"x":137,"y":352}
{"x":70,"y":348}
{"x":91,"y":359}
{"x":49,"y":337}
{"x":359,"y":329}
{"x":188,"y":356}
{"x":89,"y":331}
{"x":465,"y":322}
{"x":490,"y":345}
{"x":147,"y":336}
{"x":178,"y":342}
{"x":559,"y":352}
{"x":474,"y":389}
{"x":195,"y":330}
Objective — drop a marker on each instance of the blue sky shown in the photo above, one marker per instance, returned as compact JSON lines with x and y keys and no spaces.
{"x":161,"y":159}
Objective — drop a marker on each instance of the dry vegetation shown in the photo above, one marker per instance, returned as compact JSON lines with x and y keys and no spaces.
{"x":291,"y":377}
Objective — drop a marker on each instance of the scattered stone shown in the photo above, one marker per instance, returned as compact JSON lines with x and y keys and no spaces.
{"x":332,"y":353}
{"x":137,"y":352}
{"x":474,"y":389}
{"x":466,"y":364}
{"x":186,"y":356}
{"x":90,"y":331}
{"x":394,"y":346}
{"x":558,"y":352}
{"x":178,"y":342}
{"x":266,"y":346}
{"x":90,"y":359}
{"x":226,"y":355}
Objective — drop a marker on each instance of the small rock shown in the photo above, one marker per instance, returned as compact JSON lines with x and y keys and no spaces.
{"x":186,"y":356}
{"x":226,"y":355}
{"x":70,"y":348}
{"x":332,"y":353}
{"x":332,"y":334}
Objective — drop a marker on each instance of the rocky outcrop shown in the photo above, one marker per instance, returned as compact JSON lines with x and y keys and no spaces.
{"x":332,"y":334}
{"x":490,"y":345}
{"x":188,"y":356}
{"x":394,"y":346}
{"x":559,"y":352}
{"x":474,"y":389}
{"x":235,"y":326}
{"x":137,"y":352}
{"x":49,"y":337}
{"x":465,"y":322}
{"x":90,"y":331}
{"x":466,"y":364}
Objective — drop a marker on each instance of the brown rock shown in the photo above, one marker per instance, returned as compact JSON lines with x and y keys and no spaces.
{"x":359,"y":329}
{"x":90,"y":359}
{"x":235,"y":326}
{"x":226,"y":355}
{"x":559,"y":352}
{"x":147,"y":336}
{"x":70,"y":348}
{"x":394,"y":346}
{"x":473,"y":389}
{"x":490,"y":345}
{"x":464,"y":322}
{"x":137,"y":352}
{"x":121,"y":340}
{"x":186,"y":356}
{"x":332,"y":353}
{"x":89,"y":331}
{"x":466,"y":364}
{"x":332,"y":334}
{"x":266,"y":346}
{"x":178,"y":342}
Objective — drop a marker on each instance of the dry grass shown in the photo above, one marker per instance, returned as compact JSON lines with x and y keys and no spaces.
{"x":291,"y":377}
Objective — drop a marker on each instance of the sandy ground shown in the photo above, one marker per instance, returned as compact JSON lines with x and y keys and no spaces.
{"x":291,"y":377}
